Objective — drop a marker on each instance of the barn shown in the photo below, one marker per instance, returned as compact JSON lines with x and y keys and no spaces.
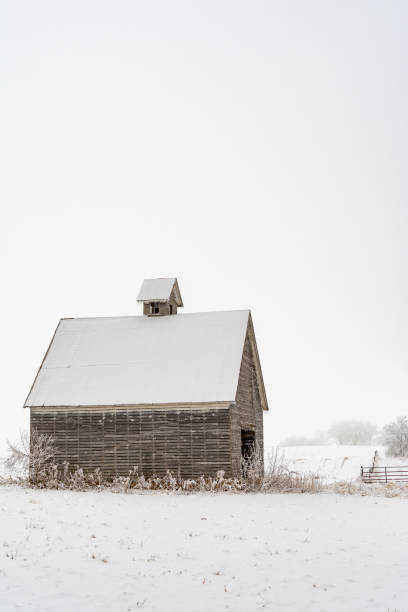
{"x":161,"y":391}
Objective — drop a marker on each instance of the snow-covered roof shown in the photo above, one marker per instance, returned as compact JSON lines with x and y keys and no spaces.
{"x":142,"y":360}
{"x":159,"y":290}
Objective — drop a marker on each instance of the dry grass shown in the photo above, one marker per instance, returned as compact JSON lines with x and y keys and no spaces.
{"x":278,"y":477}
{"x":357,"y":487}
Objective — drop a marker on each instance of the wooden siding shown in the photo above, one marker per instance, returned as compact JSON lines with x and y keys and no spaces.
{"x":164,"y":308}
{"x":247,"y":412}
{"x":187,"y":441}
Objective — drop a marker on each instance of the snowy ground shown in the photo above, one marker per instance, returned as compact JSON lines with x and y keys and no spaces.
{"x":97,"y":552}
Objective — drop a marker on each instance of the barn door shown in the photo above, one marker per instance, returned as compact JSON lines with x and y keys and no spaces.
{"x":247,"y":444}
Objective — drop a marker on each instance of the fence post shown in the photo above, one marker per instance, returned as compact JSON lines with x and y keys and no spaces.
{"x":385,"y":469}
{"x":361,"y":472}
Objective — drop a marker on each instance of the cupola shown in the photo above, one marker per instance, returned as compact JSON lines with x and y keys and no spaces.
{"x":160,"y":296}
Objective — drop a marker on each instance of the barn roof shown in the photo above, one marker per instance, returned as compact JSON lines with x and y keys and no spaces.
{"x":188,"y":358}
{"x":159,"y":290}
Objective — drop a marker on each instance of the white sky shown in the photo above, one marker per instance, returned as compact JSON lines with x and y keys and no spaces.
{"x":255,"y":150}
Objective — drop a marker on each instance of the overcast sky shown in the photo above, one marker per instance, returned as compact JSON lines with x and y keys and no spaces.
{"x":255,"y":150}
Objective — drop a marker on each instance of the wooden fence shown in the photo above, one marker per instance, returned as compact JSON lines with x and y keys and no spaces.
{"x":394,"y":473}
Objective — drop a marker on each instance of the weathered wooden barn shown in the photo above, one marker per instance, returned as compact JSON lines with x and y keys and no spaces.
{"x":162,"y":391}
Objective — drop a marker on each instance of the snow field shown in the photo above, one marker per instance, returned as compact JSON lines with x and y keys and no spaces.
{"x":97,"y":552}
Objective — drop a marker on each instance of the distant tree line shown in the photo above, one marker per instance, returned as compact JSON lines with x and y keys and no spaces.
{"x":352,"y":433}
{"x":320,"y":438}
{"x":394,"y":436}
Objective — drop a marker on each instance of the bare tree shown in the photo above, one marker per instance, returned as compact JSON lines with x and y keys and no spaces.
{"x":396,"y":437}
{"x":352,"y":432}
{"x":29,"y":455}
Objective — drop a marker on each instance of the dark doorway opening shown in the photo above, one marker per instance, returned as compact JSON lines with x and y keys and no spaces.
{"x":247,"y":445}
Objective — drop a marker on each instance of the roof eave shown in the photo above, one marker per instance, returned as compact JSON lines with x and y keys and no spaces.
{"x":174,"y":405}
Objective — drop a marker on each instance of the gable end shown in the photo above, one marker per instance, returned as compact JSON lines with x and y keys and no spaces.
{"x":250,"y":348}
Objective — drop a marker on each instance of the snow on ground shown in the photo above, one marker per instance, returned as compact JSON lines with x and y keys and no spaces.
{"x":97,"y":552}
{"x":334,"y":463}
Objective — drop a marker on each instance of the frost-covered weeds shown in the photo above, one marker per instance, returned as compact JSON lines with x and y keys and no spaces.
{"x":173,"y":484}
{"x":277,"y":476}
{"x":357,"y":487}
{"x":54,"y":477}
{"x":30,"y":462}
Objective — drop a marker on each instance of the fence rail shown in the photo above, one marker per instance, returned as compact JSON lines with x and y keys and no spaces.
{"x":393,"y":473}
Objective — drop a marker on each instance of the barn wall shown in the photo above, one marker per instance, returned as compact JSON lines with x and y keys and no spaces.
{"x":189,"y":442}
{"x":246,"y":413}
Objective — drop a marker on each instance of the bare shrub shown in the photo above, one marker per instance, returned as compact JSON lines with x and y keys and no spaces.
{"x":396,"y":437}
{"x":278,"y":477}
{"x":30,"y":456}
{"x":253,"y":469}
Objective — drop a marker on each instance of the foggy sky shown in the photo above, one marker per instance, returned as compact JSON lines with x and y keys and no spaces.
{"x":255,"y":150}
